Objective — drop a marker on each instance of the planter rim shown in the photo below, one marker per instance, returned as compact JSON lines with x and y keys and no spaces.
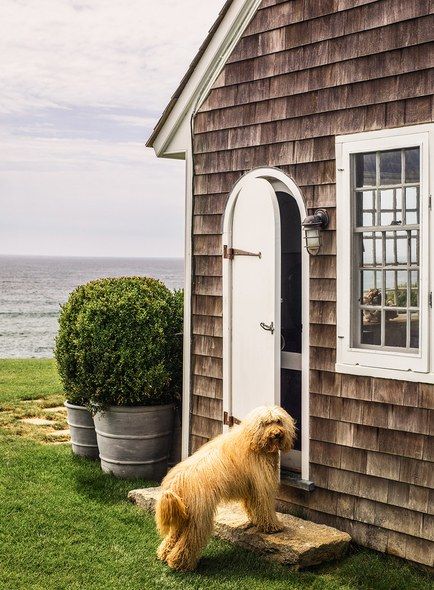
{"x":74,"y":407}
{"x":135,"y":409}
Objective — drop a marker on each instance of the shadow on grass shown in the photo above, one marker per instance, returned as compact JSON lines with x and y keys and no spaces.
{"x":234,"y":567}
{"x":362,"y":569}
{"x":366,"y":569}
{"x":100,"y":487}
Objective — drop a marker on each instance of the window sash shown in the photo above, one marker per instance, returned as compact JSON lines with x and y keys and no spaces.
{"x":394,"y":363}
{"x":383,"y":312}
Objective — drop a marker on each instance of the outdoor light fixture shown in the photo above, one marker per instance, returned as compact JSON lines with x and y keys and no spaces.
{"x":312,"y":226}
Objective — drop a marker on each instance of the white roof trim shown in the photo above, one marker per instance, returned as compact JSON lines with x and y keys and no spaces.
{"x":174,"y":136}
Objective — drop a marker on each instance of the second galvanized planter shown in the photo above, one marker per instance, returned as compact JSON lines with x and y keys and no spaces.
{"x":135,"y":442}
{"x":82,"y":429}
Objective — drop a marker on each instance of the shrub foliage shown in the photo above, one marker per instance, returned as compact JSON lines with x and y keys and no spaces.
{"x":119,"y":343}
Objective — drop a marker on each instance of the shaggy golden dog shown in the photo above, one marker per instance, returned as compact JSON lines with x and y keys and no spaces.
{"x":241,"y":464}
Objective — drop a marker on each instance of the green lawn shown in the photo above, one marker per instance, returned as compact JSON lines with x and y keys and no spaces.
{"x":28,"y":389}
{"x":66,"y":526}
{"x":27,"y":379}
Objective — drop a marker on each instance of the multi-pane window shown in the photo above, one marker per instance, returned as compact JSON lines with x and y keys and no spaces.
{"x":386,"y":246}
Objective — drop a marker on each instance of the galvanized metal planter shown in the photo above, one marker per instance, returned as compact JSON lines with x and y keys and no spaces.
{"x":135,"y":442}
{"x":82,"y":429}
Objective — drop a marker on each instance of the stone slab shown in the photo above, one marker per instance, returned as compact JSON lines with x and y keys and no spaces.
{"x":301,"y":544}
{"x":64,"y":432}
{"x":55,"y":409}
{"x":37,"y":421}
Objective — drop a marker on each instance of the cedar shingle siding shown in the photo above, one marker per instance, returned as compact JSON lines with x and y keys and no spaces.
{"x":303,"y":72}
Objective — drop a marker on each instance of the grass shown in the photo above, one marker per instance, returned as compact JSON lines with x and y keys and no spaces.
{"x":27,"y":379}
{"x":67,"y":526}
{"x":30,"y":389}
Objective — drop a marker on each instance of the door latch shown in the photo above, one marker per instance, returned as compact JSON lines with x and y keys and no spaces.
{"x":230,"y":253}
{"x":267,"y":328}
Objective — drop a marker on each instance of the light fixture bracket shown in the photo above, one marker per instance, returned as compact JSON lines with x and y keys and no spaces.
{"x":319,"y":219}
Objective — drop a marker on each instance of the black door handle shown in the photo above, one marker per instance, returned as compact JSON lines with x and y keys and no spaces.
{"x":267,"y":328}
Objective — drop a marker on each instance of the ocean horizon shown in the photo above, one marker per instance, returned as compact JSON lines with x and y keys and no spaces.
{"x":32,"y":289}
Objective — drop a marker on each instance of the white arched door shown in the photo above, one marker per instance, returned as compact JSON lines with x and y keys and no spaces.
{"x":266,"y":304}
{"x":253,"y":251}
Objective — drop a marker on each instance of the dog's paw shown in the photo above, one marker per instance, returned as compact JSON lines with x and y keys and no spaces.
{"x":163,"y":550}
{"x":181,"y":565}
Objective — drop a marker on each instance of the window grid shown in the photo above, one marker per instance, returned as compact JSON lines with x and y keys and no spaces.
{"x":390,"y":297}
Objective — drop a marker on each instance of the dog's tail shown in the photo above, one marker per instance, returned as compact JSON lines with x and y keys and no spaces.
{"x":170,"y":511}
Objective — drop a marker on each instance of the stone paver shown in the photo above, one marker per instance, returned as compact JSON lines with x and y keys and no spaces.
{"x":37,"y":421}
{"x":56,"y":409}
{"x":301,"y":544}
{"x":60,"y":432}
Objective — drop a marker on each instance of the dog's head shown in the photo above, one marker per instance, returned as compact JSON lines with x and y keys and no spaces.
{"x":270,"y":429}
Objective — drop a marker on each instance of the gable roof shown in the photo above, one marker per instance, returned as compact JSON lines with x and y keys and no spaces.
{"x":188,"y":74}
{"x":171,"y":136}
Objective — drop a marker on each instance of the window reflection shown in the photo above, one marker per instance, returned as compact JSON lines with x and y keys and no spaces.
{"x":396,"y":330}
{"x":396,"y":288}
{"x":411,"y":205}
{"x":390,"y":167}
{"x":371,"y":327}
{"x":366,"y":170}
{"x":388,"y":253}
{"x":365,"y":208}
{"x":412,"y":165}
{"x":414,"y":329}
{"x":396,"y":246}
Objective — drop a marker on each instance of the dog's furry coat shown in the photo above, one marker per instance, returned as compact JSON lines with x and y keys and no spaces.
{"x":241,"y":464}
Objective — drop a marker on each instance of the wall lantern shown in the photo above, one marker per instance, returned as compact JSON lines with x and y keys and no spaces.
{"x":312,"y":226}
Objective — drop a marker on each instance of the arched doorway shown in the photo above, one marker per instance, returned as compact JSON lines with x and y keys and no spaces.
{"x":265,"y":303}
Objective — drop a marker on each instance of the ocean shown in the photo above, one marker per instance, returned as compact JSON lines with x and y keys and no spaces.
{"x":32,"y":288}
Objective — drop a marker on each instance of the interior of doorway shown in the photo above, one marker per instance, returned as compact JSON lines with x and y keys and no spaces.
{"x":291,"y":321}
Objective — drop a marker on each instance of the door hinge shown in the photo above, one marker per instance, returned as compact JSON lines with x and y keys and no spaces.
{"x":430,"y":202}
{"x":229,"y":420}
{"x":230,"y":253}
{"x":430,"y":299}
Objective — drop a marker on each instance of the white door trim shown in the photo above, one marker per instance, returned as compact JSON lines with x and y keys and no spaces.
{"x":186,"y":352}
{"x":280,"y":181}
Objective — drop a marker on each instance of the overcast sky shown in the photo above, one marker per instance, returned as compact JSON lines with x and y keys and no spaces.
{"x":82,"y":84}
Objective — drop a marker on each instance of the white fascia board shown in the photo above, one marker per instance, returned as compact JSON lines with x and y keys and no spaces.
{"x":173,"y":138}
{"x":179,"y":142}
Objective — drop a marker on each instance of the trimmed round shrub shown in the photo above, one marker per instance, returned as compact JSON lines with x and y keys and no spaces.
{"x":120,"y":344}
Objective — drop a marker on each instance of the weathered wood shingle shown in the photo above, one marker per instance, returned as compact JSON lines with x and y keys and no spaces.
{"x":303,"y":72}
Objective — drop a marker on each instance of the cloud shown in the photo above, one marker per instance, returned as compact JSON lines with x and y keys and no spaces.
{"x":26,"y":152}
{"x":135,"y":120}
{"x":83,"y":83}
{"x":101,"y":53}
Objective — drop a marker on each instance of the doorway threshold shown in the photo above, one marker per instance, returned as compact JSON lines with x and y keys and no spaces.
{"x":294,"y":480}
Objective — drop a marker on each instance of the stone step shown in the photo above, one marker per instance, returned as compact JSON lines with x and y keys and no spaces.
{"x":37,"y":421}
{"x":301,"y":544}
{"x":64,"y":432}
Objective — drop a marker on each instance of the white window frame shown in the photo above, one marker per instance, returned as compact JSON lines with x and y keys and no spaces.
{"x":383,"y":363}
